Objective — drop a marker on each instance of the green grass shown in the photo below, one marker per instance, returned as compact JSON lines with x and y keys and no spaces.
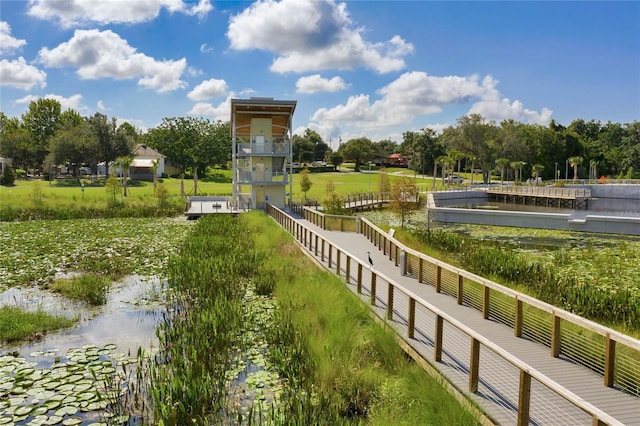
{"x":16,"y":324}
{"x":89,"y":288}
{"x":355,"y":366}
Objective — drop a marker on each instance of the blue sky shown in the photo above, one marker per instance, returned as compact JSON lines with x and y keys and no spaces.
{"x":356,"y":68}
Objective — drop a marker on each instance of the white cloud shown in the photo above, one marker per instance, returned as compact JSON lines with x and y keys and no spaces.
{"x":73,"y":102}
{"x":312,"y":35}
{"x":101,"y":106}
{"x":208,"y":89}
{"x":100,"y":54}
{"x":17,"y":73}
{"x":315,"y":83}
{"x":493,"y":106}
{"x":416,"y":94}
{"x":8,"y":43}
{"x":205,"y":49}
{"x":220,"y":112}
{"x":70,"y":13}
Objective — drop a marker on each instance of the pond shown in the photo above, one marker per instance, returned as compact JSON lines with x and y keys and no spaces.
{"x":75,"y":376}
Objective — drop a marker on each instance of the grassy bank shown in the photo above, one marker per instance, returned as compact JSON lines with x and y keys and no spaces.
{"x":334,"y":363}
{"x":16,"y":324}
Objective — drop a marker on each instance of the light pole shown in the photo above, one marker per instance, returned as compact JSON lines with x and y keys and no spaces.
{"x":555,"y":173}
{"x":369,"y":176}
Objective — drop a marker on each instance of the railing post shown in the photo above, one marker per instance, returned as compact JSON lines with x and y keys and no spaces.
{"x":330,"y":255}
{"x":437,"y":340}
{"x":555,"y":335}
{"x":337,"y":261}
{"x":322,"y":251}
{"x":438,"y":278}
{"x":485,"y":302}
{"x":412,"y":318}
{"x":609,"y":361}
{"x":316,"y":245}
{"x":390,"y":301}
{"x":420,"y":270}
{"x":359,"y":284}
{"x":474,"y":366}
{"x":517,"y":326}
{"x":460,"y":294}
{"x":372,"y":298}
{"x":524,"y":398}
{"x":348,"y":273}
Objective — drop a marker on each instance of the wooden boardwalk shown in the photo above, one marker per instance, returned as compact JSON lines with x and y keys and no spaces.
{"x":498,"y":386}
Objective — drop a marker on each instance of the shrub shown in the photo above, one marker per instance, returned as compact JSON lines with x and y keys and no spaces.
{"x":8,"y":176}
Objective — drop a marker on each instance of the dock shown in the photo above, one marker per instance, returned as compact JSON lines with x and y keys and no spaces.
{"x":548,"y":195}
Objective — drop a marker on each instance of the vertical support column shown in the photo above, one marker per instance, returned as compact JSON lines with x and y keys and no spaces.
{"x":390,"y":301}
{"x":555,"y":335}
{"x":460,"y":293}
{"x":322,"y":251}
{"x":359,"y":285}
{"x":609,"y":361}
{"x":411,"y":326}
{"x":438,"y":278}
{"x":338,"y":261}
{"x":420,"y":270}
{"x":524,"y":398}
{"x":517,"y":326}
{"x":437,"y":339}
{"x":372,"y":298}
{"x":316,"y":246}
{"x":486,"y":291}
{"x":474,"y":366}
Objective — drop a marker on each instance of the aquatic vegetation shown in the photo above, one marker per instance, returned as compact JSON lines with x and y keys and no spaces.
{"x":89,"y":288}
{"x":81,"y":385}
{"x":33,"y":252}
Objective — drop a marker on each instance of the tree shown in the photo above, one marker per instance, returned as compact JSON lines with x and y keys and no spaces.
{"x":42,"y":119}
{"x":517,"y":169}
{"x":332,"y":202}
{"x":404,"y":198}
{"x":575,"y":162}
{"x":537,"y":170}
{"x":358,"y":150}
{"x":336,"y":159}
{"x":473,"y":136}
{"x":15,"y":143}
{"x":305,"y":183}
{"x":113,"y":142}
{"x":125,"y":163}
{"x":74,"y":145}
{"x":383,"y":181}
{"x":502,"y":163}
{"x":154,"y":169}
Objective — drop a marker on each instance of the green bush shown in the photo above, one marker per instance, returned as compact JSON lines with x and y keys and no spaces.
{"x":8,"y":176}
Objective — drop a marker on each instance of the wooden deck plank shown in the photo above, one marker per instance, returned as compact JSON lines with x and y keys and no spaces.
{"x":498,"y":387}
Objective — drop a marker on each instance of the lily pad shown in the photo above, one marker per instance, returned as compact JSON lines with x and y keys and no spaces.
{"x":67,"y":409}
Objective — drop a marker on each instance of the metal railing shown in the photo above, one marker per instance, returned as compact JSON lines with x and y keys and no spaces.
{"x":541,"y":191}
{"x":405,"y":309}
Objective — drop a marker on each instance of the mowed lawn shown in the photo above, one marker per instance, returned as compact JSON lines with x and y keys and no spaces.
{"x":72,"y":194}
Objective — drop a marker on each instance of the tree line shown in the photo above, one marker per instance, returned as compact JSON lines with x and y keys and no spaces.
{"x":45,"y":136}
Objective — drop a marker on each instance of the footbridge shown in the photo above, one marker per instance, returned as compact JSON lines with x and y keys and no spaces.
{"x":520,"y":360}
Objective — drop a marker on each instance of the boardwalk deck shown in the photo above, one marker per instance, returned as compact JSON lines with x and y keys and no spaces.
{"x":497,"y":392}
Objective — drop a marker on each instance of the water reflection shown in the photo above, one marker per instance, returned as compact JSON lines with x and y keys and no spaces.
{"x":128,"y":319}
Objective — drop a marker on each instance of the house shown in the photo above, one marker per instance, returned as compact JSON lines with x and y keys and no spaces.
{"x":142,"y":165}
{"x":397,"y":160}
{"x":262,"y":162}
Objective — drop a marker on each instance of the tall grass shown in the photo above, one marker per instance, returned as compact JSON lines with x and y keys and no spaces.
{"x":89,"y":288}
{"x":337,"y":365}
{"x":16,"y":324}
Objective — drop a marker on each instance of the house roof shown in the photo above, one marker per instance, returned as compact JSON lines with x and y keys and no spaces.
{"x":243,"y":110}
{"x":142,"y":150}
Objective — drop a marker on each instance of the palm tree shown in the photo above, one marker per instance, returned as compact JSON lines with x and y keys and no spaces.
{"x":517,"y":169}
{"x":442,"y":162}
{"x":125,"y":163}
{"x":537,"y":169}
{"x":502,"y":163}
{"x":575,"y":162}
{"x":154,"y":168}
{"x":593,"y":170}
